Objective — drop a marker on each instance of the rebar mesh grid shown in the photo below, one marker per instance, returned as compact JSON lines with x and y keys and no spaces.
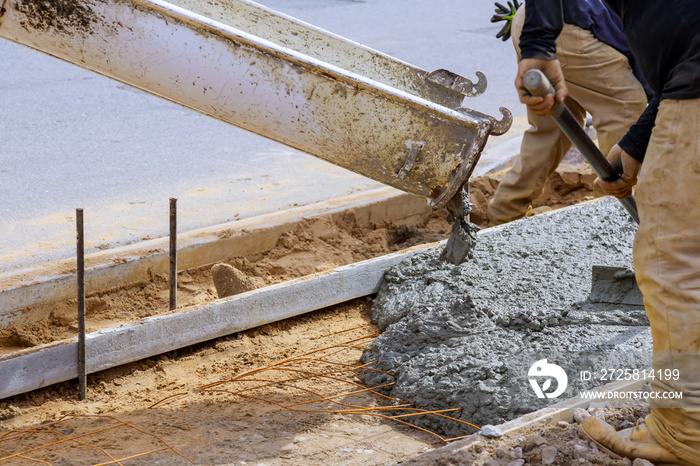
{"x":79,"y":439}
{"x":322,"y":381}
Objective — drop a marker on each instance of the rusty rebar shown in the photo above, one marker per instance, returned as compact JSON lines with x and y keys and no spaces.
{"x":173,"y":253}
{"x":82,"y":363}
{"x":270,"y":376}
{"x":48,"y":429}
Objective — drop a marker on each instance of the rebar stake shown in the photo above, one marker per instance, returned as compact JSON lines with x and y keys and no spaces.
{"x":173,"y":253}
{"x":82,"y":373}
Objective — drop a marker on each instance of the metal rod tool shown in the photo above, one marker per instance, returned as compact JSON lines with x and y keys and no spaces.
{"x":173,"y":254}
{"x":80,"y":249}
{"x":537,"y":84}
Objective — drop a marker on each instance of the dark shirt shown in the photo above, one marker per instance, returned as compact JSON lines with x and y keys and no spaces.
{"x":606,"y":26}
{"x":664,"y":36}
{"x":594,"y":16}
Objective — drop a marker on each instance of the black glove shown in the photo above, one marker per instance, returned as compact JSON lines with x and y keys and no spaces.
{"x":506,"y":14}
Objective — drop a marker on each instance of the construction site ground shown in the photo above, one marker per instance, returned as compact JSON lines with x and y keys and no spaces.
{"x":201,"y":403}
{"x":554,"y":444}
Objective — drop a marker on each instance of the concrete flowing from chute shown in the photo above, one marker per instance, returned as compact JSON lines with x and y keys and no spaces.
{"x":467,"y":336}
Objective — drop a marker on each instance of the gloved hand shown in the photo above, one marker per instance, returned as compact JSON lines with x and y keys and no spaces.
{"x":506,"y":14}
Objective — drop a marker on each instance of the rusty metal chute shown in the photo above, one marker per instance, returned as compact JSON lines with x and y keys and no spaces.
{"x":278,"y":77}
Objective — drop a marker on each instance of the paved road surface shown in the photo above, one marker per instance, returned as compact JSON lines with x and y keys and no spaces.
{"x":70,"y":138}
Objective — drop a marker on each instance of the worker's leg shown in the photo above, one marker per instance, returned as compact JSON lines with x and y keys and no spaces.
{"x":601,"y":80}
{"x":542,"y":149}
{"x":667,"y":266}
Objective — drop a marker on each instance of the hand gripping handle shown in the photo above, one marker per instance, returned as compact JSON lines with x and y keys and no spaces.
{"x":538,"y":85}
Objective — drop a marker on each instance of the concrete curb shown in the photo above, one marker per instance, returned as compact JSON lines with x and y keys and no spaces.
{"x":498,"y":156}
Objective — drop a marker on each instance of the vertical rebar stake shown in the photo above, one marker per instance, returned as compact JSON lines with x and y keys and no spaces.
{"x":82,"y":373}
{"x":173,"y":253}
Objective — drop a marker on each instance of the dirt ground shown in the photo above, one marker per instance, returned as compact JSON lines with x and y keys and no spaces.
{"x":281,"y":421}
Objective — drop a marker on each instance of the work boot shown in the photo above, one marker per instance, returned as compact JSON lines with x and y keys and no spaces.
{"x":629,"y":443}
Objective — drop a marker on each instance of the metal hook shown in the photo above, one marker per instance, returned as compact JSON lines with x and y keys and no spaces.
{"x":458,"y":83}
{"x":499,"y":127}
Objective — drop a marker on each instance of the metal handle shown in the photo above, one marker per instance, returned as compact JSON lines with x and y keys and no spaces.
{"x":537,"y":84}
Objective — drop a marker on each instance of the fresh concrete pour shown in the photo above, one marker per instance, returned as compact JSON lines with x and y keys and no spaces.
{"x":466,"y":336}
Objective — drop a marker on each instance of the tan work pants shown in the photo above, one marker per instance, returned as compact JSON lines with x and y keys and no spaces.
{"x":600,"y":82}
{"x":667,"y":267}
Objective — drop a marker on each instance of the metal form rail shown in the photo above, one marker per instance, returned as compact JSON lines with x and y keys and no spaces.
{"x":277,"y":77}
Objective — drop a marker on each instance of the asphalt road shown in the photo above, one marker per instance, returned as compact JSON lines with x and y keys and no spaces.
{"x":70,"y":138}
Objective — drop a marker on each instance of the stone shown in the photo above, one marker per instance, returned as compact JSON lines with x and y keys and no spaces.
{"x":14,"y":410}
{"x":579,"y":415}
{"x":516,"y":453}
{"x":533,"y":443}
{"x":230,"y":281}
{"x":519,"y":462}
{"x":548,"y":455}
{"x":491,"y":431}
{"x":593,"y":406}
{"x":642,"y":462}
{"x":582,"y":452}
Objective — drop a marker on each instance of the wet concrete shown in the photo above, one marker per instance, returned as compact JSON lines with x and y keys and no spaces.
{"x":466,"y":336}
